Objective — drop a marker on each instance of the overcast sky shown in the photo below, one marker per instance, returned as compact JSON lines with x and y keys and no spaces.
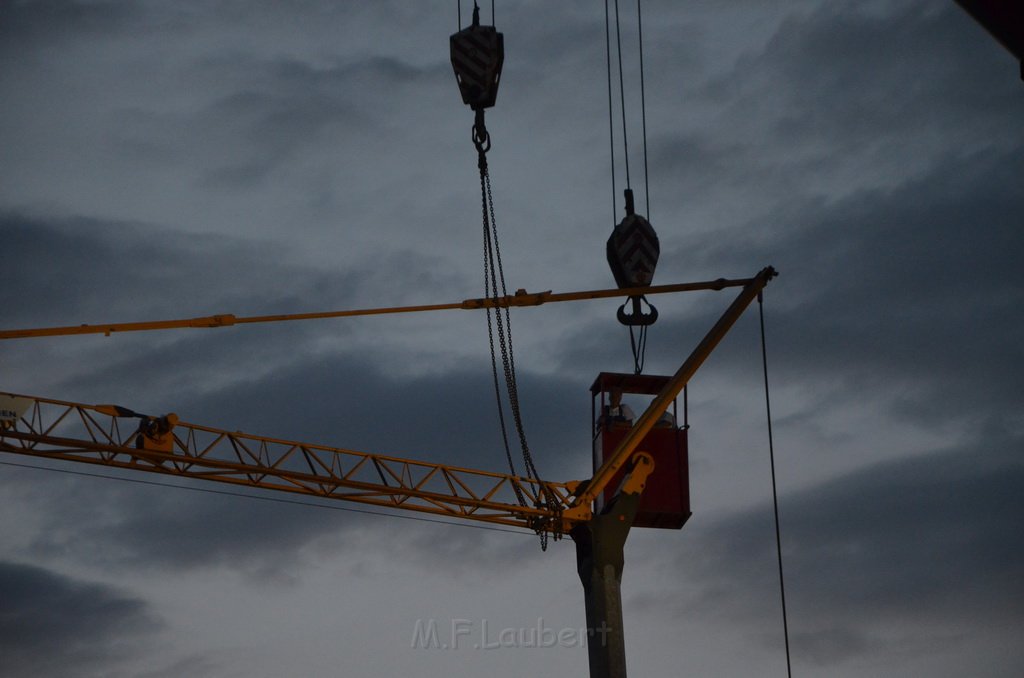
{"x":169,"y":160}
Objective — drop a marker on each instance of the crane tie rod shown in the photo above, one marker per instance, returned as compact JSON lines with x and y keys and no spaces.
{"x":520,"y":298}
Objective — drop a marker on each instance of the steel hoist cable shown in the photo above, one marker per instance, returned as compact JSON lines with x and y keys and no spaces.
{"x":622,"y":93}
{"x":633,"y":247}
{"x":611,"y":117}
{"x":643,"y":106}
{"x":775,"y":492}
{"x":639,"y":348}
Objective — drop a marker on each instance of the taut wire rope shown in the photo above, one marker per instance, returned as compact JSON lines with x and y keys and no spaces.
{"x":643,"y":108}
{"x":611,"y":113}
{"x":622,"y":93}
{"x":637,"y":339}
{"x":775,"y":492}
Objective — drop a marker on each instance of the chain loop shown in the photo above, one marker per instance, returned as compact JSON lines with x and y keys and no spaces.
{"x":494,"y":288}
{"x":481,"y":137}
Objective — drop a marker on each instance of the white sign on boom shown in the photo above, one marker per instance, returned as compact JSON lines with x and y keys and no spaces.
{"x":12,"y":408}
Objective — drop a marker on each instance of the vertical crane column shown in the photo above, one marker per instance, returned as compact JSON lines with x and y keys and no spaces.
{"x":599,"y":560}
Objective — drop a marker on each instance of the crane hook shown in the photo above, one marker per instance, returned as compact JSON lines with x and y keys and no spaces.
{"x":632,"y":251}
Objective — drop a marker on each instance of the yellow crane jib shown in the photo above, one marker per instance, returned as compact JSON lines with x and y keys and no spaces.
{"x":97,"y":434}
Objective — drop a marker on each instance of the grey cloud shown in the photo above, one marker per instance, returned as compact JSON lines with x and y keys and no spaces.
{"x":890,"y":289}
{"x":112,"y":272}
{"x":130,"y":522}
{"x":56,"y":625}
{"x":928,"y":540}
{"x":860,"y":71}
{"x":111,"y":268}
{"x":108,"y":269}
{"x":827,"y":646}
{"x":280,"y":108}
{"x":345,"y":401}
{"x":196,"y":665}
{"x":48,"y":21}
{"x":843,"y":98}
{"x":141,"y":527}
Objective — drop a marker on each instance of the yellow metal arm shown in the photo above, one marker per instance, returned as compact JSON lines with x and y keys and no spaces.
{"x":520,"y":298}
{"x":636,"y":480}
{"x":113,"y":436}
{"x":580,"y":509}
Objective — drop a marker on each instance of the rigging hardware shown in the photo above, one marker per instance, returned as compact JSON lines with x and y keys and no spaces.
{"x":632,"y":250}
{"x":477,"y":55}
{"x":775,"y":489}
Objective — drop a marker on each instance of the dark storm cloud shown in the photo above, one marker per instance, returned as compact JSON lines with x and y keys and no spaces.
{"x":864,"y":71}
{"x":281,"y":108}
{"x":928,"y":541}
{"x":96,"y":270}
{"x":860,"y":75}
{"x":346,"y":401}
{"x":914,"y":285}
{"x":44,"y":22}
{"x":128,"y":525}
{"x":843,"y":97}
{"x":51,"y":624}
{"x":73,"y":270}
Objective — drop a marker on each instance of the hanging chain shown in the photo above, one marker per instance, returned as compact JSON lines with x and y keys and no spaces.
{"x":491,"y":284}
{"x":495,"y":287}
{"x":482,"y":141}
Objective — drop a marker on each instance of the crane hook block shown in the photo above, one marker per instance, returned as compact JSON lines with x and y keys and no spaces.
{"x":633,"y":249}
{"x":478,"y":53}
{"x":632,"y":252}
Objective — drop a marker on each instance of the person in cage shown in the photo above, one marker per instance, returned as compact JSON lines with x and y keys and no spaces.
{"x":156,"y":433}
{"x":616,"y":412}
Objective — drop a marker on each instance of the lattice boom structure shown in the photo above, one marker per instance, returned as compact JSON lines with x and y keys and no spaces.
{"x":112,"y":436}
